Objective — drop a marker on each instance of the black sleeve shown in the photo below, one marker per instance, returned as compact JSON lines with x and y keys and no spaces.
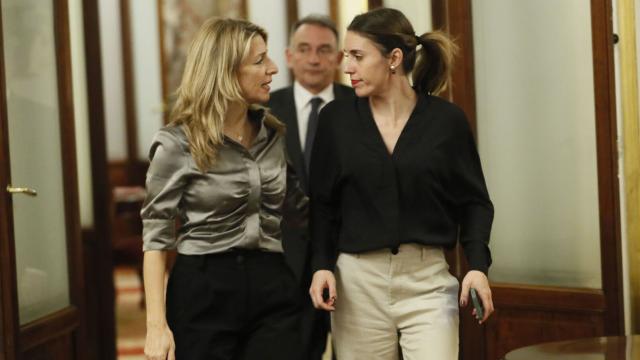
{"x":323,"y":181}
{"x":474,"y":208}
{"x":296,"y":203}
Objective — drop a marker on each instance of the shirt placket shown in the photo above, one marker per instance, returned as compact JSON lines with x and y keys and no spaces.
{"x":255,"y":193}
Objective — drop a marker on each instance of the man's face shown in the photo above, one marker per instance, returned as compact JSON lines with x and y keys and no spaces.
{"x":313,"y":57}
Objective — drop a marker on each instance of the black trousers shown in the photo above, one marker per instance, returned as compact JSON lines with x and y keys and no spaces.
{"x":241,"y":305}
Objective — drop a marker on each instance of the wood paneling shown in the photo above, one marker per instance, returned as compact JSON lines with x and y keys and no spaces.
{"x":292,"y":14}
{"x":512,"y":328}
{"x":607,"y":156}
{"x":163,"y":63}
{"x":93,"y":301}
{"x":71,"y":207}
{"x":57,"y":325}
{"x":55,"y":349}
{"x":527,"y":315}
{"x":334,"y":13}
{"x":98,"y":256}
{"x":375,"y":4}
{"x":244,"y":12}
{"x":454,"y":17}
{"x":126,"y":173}
{"x":546,"y":298}
{"x":129,"y":82}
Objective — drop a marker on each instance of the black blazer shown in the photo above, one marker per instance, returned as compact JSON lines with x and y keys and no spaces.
{"x":295,"y":240}
{"x":430,"y":190}
{"x":283,"y":106}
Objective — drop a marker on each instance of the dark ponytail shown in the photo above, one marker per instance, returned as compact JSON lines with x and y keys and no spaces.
{"x":431,"y":54}
{"x":435,"y":60}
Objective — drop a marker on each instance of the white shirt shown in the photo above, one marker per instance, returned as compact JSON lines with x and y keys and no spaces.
{"x":303,"y":98}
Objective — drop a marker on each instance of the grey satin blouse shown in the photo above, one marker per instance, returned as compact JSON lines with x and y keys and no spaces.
{"x":238,"y":203}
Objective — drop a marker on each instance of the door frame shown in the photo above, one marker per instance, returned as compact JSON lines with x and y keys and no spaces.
{"x":603,"y":309}
{"x":70,"y":321}
{"x":9,"y":328}
{"x":100,"y":298}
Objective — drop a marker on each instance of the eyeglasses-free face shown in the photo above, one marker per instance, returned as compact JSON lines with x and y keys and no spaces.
{"x":255,"y":73}
{"x":313,"y":56}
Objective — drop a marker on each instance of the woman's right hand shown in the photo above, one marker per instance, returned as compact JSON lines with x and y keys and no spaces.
{"x":159,"y":344}
{"x":323,"y":279}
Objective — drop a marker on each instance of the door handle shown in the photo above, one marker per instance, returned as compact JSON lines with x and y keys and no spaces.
{"x":21,"y":190}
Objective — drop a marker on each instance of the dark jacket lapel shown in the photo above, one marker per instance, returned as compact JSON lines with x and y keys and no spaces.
{"x":285,"y":109}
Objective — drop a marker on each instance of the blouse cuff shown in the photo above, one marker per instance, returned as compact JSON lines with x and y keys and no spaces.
{"x":158,"y":234}
{"x":478,"y":257}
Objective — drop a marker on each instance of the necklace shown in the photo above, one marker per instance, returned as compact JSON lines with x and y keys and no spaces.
{"x":238,"y":136}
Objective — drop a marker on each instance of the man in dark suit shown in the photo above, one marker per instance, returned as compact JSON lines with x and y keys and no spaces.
{"x":314,"y":57}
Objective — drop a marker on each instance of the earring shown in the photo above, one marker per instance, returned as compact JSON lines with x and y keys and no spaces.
{"x":393,"y":69}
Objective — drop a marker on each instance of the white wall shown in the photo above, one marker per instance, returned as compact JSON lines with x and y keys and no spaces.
{"x":347,"y":10}
{"x":306,"y":7}
{"x":417,"y":11}
{"x":81,"y":115}
{"x":147,"y":72}
{"x":112,"y":79}
{"x":272,"y":15}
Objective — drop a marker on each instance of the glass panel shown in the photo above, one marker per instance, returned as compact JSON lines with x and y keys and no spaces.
{"x":34,"y":148}
{"x":536,"y":134}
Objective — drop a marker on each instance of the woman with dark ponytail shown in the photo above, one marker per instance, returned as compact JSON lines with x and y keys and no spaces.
{"x":396,"y":178}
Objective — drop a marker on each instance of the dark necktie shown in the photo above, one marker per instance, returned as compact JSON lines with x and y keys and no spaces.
{"x":312,"y":126}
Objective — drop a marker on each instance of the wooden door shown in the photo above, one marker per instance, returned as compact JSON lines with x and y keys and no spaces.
{"x":555,"y":300}
{"x":41,"y":283}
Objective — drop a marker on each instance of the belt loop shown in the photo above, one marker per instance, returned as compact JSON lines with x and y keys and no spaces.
{"x":423,"y":250}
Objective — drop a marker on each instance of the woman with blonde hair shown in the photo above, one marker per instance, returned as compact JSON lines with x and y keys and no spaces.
{"x":395,"y":178}
{"x":220,"y":169}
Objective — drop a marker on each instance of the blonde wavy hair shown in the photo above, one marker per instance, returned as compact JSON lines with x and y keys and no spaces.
{"x":210,"y":85}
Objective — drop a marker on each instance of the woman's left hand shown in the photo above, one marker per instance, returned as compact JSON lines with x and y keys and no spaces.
{"x":477,"y":280}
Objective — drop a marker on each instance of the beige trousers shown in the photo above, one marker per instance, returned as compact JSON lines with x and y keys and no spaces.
{"x":389,"y":303}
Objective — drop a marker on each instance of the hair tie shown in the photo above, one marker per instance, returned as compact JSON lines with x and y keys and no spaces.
{"x":418,"y":39}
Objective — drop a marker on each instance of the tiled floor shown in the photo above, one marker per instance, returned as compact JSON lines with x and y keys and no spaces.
{"x":130,"y":316}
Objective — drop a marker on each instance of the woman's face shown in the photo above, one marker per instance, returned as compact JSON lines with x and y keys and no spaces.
{"x":365,"y":64}
{"x":254,"y":74}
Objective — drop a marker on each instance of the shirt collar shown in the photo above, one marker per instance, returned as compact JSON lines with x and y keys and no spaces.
{"x":302,"y":96}
{"x":257,"y":114}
